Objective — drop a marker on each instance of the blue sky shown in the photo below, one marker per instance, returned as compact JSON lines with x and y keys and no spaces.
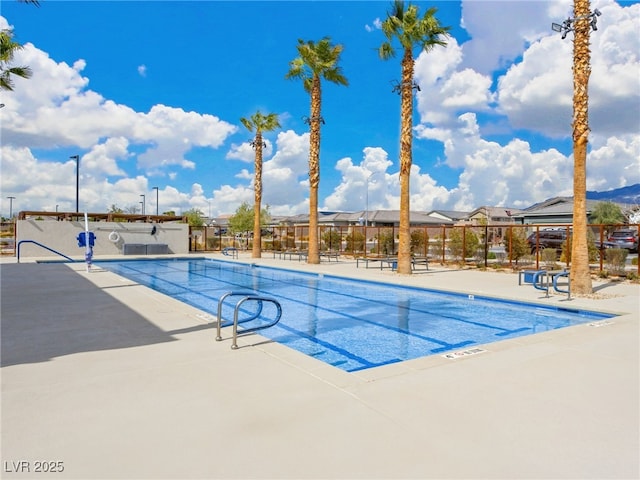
{"x":151,"y":94}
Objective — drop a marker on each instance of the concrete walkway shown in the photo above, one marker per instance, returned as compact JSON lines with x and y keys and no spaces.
{"x":105,"y":378}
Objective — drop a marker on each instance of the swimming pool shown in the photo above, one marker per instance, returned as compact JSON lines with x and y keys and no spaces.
{"x":351,"y":324}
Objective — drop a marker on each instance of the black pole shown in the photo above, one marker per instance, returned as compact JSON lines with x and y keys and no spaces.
{"x":77,"y":159}
{"x":156,"y":189}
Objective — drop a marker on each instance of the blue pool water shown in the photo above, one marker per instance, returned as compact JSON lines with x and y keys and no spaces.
{"x":352,"y":325}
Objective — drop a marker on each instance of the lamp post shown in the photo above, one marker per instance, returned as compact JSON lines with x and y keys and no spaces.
{"x":366,"y":212}
{"x":11,"y":199}
{"x":143,"y":202}
{"x":77,"y":159}
{"x":156,"y":189}
{"x":141,"y":206}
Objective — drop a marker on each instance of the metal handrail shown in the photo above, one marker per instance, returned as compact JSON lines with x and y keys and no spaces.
{"x":230,"y":252}
{"x":559,"y":290}
{"x":40,"y":245}
{"x":540,"y":286}
{"x":221,"y":301}
{"x":234,"y":344}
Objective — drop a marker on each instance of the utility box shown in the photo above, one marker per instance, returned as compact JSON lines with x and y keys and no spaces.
{"x":157,"y":249}
{"x":134,"y":249}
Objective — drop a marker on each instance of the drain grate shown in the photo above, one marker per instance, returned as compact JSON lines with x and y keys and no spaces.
{"x":464,"y":353}
{"x":601,"y":324}
{"x":206,"y":317}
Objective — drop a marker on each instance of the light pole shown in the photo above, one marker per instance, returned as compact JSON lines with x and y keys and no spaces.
{"x":141,"y":206}
{"x":77,"y":159}
{"x":366,"y":212}
{"x":11,"y":199}
{"x":156,"y":189}
{"x":143,"y":202}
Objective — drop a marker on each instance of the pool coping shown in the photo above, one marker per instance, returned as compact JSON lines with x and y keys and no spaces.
{"x":333,"y":375}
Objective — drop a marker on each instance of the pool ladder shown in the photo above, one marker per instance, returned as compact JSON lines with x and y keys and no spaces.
{"x":246,"y":297}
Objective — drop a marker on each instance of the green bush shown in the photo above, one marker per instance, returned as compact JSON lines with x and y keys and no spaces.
{"x":515,"y":241}
{"x":470,"y":245}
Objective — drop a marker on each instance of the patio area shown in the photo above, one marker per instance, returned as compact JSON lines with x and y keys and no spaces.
{"x":105,"y":378}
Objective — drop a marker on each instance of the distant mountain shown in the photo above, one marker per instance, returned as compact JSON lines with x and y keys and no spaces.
{"x":626,"y":195}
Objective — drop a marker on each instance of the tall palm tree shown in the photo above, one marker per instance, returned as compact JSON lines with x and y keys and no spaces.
{"x":580,"y":275}
{"x":8,"y":48}
{"x":411,"y":30}
{"x":260,"y":123}
{"x":316,"y":61}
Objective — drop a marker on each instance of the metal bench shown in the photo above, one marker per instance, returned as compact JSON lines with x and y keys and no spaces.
{"x":330,"y":255}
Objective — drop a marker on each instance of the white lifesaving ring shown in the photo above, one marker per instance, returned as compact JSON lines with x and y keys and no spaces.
{"x":114,"y":236}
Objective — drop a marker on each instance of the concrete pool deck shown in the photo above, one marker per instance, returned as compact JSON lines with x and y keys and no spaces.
{"x":109,"y":379}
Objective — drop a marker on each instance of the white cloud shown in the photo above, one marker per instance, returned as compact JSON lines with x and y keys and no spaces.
{"x":142,"y":70}
{"x":367,"y":182}
{"x":537,"y":92}
{"x":500,"y":31}
{"x":284,"y":176}
{"x":56,"y":109}
{"x":375,"y":25}
{"x":446,"y":91}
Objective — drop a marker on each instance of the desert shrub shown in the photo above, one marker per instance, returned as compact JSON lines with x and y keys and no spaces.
{"x":331,"y":240}
{"x":435,"y":246}
{"x":355,"y":241}
{"x":419,"y":239}
{"x":548,"y":257}
{"x":386,"y":241}
{"x":615,"y":259}
{"x":213,"y":243}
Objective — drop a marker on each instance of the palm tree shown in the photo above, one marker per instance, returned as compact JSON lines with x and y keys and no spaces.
{"x":8,"y":48}
{"x":316,"y":61}
{"x":260,"y":123}
{"x":580,"y":275}
{"x":405,"y":25}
